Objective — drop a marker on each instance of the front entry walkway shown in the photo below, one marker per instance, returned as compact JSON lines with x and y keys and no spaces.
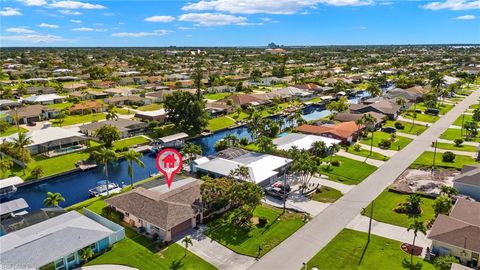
{"x":214,"y":253}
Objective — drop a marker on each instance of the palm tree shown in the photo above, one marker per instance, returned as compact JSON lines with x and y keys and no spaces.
{"x":53,"y":199}
{"x":241,"y":173}
{"x":191,"y":150}
{"x":319,"y":149}
{"x":111,"y":114}
{"x":5,"y":164}
{"x":332,"y":149}
{"x":413,"y":204}
{"x":133,"y":156}
{"x":20,"y":143}
{"x":188,"y":242}
{"x":85,"y":254}
{"x":416,"y":226}
{"x":104,"y":156}
{"x":369,"y":121}
{"x":449,"y":191}
{"x":374,"y":90}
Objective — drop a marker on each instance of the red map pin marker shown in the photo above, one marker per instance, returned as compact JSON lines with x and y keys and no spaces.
{"x":169,"y":162}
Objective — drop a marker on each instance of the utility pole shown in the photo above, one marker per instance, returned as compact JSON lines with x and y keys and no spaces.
{"x":370,"y":222}
{"x":285,"y":195}
{"x":463,"y":120}
{"x":434,"y":154}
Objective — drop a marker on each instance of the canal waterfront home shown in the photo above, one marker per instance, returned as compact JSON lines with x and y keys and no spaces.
{"x":346,"y":132}
{"x":263,"y":169}
{"x":458,"y":234}
{"x":127,"y":127}
{"x":55,"y":239}
{"x":386,"y":107}
{"x":53,"y":141}
{"x":301,"y":141}
{"x":161,"y":212}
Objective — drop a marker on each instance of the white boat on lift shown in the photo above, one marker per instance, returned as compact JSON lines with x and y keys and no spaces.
{"x":103,"y":190}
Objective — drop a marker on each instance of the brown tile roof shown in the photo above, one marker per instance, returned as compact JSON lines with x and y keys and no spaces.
{"x":243,"y":99}
{"x":343,"y":130}
{"x":347,"y":117}
{"x":93,"y":104}
{"x":383,"y":106}
{"x":164,"y":210}
{"x":461,"y":228}
{"x":30,"y":111}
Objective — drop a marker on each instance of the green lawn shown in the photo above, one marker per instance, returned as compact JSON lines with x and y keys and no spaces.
{"x":326,"y":195}
{"x":60,"y":106}
{"x":463,"y":119}
{"x":150,"y":107}
{"x":443,"y":108}
{"x":422,"y":117}
{"x":218,"y":123}
{"x":123,"y":111}
{"x":217,"y":96}
{"x":426,"y":159}
{"x":79,"y":119}
{"x":454,"y":133}
{"x":378,"y":136}
{"x":409,"y":128}
{"x":346,"y":249}
{"x":463,"y":147}
{"x":12,"y":130}
{"x":243,"y":241}
{"x":387,"y":201}
{"x":350,"y":172}
{"x":475,"y":106}
{"x":129,"y":142}
{"x":366,"y":153}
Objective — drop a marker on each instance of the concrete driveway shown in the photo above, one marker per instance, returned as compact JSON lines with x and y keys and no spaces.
{"x":214,"y":253}
{"x":298,"y":203}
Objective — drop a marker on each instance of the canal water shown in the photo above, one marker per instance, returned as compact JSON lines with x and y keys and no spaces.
{"x":74,"y":186}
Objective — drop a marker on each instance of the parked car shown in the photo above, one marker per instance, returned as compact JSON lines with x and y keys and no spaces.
{"x":389,"y":130}
{"x":277,"y":190}
{"x":432,"y":111}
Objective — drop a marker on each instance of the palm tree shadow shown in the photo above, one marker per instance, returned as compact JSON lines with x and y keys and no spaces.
{"x":175,"y":265}
{"x":271,"y":224}
{"x":416,"y":266}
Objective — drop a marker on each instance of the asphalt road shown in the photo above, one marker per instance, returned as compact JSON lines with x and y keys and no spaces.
{"x":312,"y":237}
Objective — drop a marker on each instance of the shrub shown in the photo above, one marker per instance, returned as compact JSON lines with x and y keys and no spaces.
{"x":37,"y":172}
{"x":244,"y":141}
{"x":336,"y":163}
{"x":458,"y":142}
{"x":448,"y":157}
{"x":385,"y":144}
{"x":444,"y":262}
{"x":262,"y":222}
{"x":399,"y":125}
{"x":357,"y":147}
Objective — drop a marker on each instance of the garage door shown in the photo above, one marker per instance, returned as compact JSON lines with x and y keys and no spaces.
{"x":187,"y":224}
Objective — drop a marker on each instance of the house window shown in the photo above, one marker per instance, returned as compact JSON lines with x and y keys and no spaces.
{"x":93,"y":246}
{"x":59,"y":264}
{"x":71,"y":258}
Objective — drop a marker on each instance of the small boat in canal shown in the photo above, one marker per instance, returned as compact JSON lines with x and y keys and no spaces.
{"x":102,"y":189}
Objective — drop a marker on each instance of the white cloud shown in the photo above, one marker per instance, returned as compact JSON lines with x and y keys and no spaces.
{"x":88,"y":29}
{"x":70,"y":12}
{"x":34,"y":2}
{"x":75,"y":5}
{"x":46,"y":25}
{"x":185,"y":28}
{"x":20,"y":30}
{"x":267,"y":6}
{"x":34,"y":38}
{"x":466,"y":17}
{"x":362,"y":27}
{"x":453,"y":5}
{"x":212,"y":19}
{"x":8,"y":11}
{"x":141,"y":34}
{"x":160,"y":19}
{"x":76,"y":21}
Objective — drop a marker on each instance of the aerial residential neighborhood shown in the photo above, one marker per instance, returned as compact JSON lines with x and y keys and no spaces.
{"x":135,"y":140}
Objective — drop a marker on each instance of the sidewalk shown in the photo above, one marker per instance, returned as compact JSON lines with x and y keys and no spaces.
{"x":214,"y":253}
{"x":385,"y":152}
{"x":401,"y":118}
{"x":406,"y":135}
{"x":451,"y":142}
{"x":456,"y":152}
{"x":374,"y":162}
{"x":360,"y":223}
{"x":323,"y":180}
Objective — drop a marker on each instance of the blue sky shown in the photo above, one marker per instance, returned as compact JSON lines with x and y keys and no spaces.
{"x":237,"y":22}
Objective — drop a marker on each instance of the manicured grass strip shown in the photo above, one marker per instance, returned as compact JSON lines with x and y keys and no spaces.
{"x":60,"y":106}
{"x":129,"y":142}
{"x":454,"y":133}
{"x":150,"y":107}
{"x":350,"y":172}
{"x":463,"y":147}
{"x":79,"y":119}
{"x":326,"y":195}
{"x":378,"y":136}
{"x":366,"y":153}
{"x":217,"y":96}
{"x":463,"y":119}
{"x":278,"y":228}
{"x":123,"y":111}
{"x":409,"y":128}
{"x":12,"y":130}
{"x":220,"y":123}
{"x":425,"y":160}
{"x":422,"y":117}
{"x":346,"y":249}
{"x":443,"y":108}
{"x":388,"y":200}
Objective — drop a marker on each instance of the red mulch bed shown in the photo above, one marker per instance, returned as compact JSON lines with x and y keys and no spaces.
{"x":408,"y":249}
